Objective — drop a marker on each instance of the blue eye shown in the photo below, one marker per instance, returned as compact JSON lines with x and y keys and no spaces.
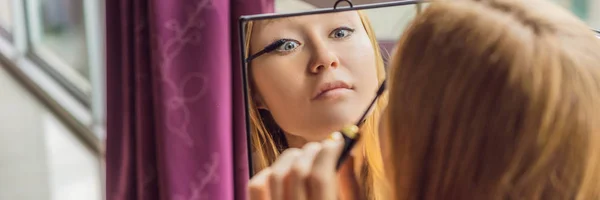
{"x":342,"y":32}
{"x":288,"y":46}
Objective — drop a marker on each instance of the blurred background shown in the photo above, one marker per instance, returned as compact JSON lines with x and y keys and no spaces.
{"x":52,"y":91}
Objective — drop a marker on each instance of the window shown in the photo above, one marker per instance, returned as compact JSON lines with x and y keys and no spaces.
{"x":6,"y":18}
{"x":54,"y":48}
{"x":58,"y":38}
{"x":64,"y":40}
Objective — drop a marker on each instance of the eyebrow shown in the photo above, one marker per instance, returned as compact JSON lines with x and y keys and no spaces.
{"x":272,"y":20}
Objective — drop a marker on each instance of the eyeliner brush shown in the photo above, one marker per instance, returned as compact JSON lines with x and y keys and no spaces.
{"x":350,"y":133}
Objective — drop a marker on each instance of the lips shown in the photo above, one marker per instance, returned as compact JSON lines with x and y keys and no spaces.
{"x":330,"y":86}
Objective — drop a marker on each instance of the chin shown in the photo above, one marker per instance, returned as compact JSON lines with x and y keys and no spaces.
{"x":331,"y":119}
{"x":320,"y":129}
{"x":334,"y":123}
{"x":342,"y":115}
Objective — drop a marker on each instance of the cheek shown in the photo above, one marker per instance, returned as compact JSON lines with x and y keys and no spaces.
{"x":360,"y":59}
{"x":360,"y":49}
{"x":277,"y":75}
{"x":278,"y":84}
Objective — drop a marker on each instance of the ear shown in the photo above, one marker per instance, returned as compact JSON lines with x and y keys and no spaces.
{"x":259,"y":102}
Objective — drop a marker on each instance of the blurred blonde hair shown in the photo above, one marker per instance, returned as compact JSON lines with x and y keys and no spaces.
{"x":265,"y":148}
{"x":495,"y":99}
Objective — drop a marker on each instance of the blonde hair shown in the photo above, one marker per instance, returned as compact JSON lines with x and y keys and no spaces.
{"x":495,"y":99}
{"x":266,"y":150}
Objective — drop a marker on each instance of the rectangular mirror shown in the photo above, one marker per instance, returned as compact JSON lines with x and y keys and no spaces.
{"x":309,"y":71}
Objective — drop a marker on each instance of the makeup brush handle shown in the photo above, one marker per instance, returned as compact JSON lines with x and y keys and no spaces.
{"x":348,"y":145}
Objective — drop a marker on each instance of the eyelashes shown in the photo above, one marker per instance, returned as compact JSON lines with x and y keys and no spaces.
{"x":287,"y":45}
{"x":341,"y":32}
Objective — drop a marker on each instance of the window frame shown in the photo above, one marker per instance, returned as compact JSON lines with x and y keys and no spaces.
{"x":83,"y":114}
{"x":51,"y":63}
{"x":5,"y":34}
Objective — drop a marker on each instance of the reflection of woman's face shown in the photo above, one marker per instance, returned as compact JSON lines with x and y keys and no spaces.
{"x":322,"y":78}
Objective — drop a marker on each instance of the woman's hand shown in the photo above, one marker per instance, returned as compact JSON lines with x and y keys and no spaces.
{"x":307,"y":173}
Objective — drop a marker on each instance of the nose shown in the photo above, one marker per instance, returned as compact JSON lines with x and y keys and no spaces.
{"x":323,"y":58}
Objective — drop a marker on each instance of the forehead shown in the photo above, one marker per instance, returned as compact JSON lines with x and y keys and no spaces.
{"x":307,"y":20}
{"x":269,"y":30}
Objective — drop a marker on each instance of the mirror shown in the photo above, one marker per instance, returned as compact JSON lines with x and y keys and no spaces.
{"x":310,"y":73}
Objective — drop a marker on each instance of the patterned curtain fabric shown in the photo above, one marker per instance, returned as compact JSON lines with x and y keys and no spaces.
{"x":175,"y":115}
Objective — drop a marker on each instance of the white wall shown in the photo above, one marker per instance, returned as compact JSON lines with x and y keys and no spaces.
{"x":40,"y":158}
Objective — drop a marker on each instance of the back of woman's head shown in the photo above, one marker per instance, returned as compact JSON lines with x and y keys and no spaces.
{"x":495,"y":99}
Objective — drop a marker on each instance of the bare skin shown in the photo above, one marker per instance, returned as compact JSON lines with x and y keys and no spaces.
{"x":307,"y":173}
{"x":318,"y":81}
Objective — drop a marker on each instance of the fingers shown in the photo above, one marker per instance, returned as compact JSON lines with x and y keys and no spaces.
{"x":300,"y":174}
{"x":296,"y":181}
{"x":267,"y":184}
{"x":258,"y":186}
{"x":323,"y":171}
{"x":281,"y":172}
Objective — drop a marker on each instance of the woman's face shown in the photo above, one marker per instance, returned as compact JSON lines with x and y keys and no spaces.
{"x":321,"y":79}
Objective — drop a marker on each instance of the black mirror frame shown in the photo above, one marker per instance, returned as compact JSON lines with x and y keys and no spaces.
{"x":241,"y":29}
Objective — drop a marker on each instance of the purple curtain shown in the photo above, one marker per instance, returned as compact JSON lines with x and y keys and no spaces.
{"x":175,"y":118}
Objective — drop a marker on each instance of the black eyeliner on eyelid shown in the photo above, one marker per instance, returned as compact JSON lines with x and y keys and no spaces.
{"x":344,"y":28}
{"x":273,"y":46}
{"x":279,"y":42}
{"x":351,"y":31}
